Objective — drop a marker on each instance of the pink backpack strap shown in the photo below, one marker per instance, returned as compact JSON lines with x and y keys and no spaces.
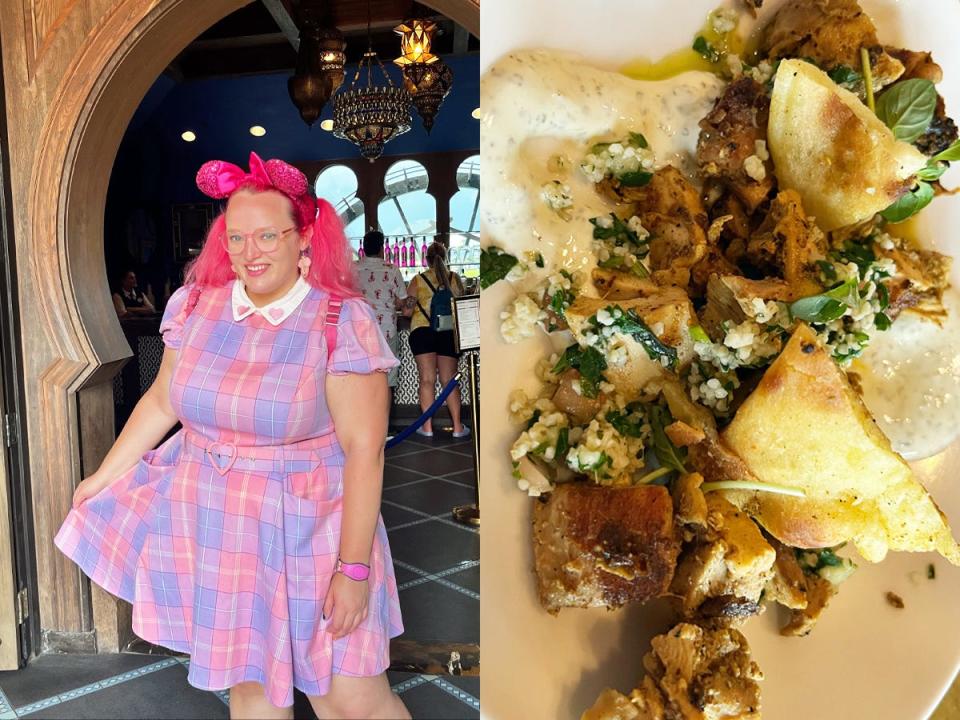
{"x":334,"y":304}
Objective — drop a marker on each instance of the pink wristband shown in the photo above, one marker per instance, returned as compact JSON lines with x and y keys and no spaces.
{"x":354,"y":571}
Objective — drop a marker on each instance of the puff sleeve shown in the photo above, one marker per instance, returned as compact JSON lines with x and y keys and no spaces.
{"x":361,"y":347}
{"x":174,"y":315}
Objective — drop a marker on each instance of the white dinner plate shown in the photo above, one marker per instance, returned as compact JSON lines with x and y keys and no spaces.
{"x":864,"y":659}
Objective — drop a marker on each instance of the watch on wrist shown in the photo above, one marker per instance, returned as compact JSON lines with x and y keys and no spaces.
{"x":354,"y":571}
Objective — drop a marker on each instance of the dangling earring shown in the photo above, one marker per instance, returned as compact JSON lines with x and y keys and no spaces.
{"x":304,"y":264}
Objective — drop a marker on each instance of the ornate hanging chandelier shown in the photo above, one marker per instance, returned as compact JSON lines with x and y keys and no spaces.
{"x":372,"y":115}
{"x":319,"y":72}
{"x":425,"y":76}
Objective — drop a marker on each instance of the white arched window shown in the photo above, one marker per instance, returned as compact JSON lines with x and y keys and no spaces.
{"x":407,"y":215}
{"x":465,"y":219}
{"x":337,"y":185}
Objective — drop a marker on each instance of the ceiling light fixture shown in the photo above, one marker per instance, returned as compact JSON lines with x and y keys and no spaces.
{"x":188,"y":135}
{"x":425,"y":76}
{"x":319,"y":72}
{"x":476,"y":114}
{"x":326,"y":125}
{"x":416,"y":37}
{"x":258,"y":131}
{"x":371,"y":116}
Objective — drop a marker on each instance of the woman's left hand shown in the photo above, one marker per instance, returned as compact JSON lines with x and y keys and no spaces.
{"x":345,"y":606}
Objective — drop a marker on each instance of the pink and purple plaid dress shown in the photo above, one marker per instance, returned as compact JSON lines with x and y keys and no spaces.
{"x":225,"y":537}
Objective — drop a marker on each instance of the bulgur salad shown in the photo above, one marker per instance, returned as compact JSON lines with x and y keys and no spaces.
{"x":716,"y":258}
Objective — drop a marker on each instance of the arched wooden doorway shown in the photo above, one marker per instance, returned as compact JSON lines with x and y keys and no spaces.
{"x":75,"y":73}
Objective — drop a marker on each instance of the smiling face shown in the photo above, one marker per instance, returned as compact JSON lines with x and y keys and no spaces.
{"x":266,"y":276}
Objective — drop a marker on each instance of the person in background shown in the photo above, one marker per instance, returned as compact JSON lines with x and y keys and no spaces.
{"x":128,"y":300}
{"x":383,"y":286}
{"x":431,"y":295}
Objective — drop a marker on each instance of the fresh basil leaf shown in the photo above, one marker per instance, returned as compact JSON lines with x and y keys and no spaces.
{"x":539,"y":260}
{"x":638,"y":140}
{"x":882,"y":321}
{"x":932,"y":171}
{"x":909,"y":204}
{"x":846,"y":292}
{"x":950,"y":154}
{"x":842,"y":75}
{"x":706,"y":50}
{"x":907,"y":108}
{"x":668,"y":454}
{"x":563,"y":444}
{"x":629,"y":323}
{"x":637,"y":178}
{"x":817,"y":309}
{"x":494,"y":266}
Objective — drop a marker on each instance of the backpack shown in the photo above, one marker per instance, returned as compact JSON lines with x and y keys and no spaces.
{"x":441,"y":307}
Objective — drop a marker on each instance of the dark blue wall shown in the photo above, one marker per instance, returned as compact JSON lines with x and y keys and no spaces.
{"x":155,"y":168}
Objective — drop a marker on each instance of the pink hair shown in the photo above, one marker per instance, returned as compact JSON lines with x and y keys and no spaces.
{"x":330,"y":267}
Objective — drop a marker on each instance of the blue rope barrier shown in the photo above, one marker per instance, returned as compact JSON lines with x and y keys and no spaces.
{"x":412,"y":428}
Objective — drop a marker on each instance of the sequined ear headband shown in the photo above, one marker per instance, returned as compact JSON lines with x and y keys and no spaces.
{"x":219,"y":179}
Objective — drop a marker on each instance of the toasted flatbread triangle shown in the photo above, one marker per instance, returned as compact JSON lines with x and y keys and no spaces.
{"x":832,"y":149}
{"x":805,"y":427}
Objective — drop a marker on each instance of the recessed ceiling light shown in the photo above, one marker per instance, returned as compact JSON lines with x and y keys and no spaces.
{"x":326,"y":125}
{"x":258,"y":131}
{"x":188,"y":135}
{"x":476,"y":114}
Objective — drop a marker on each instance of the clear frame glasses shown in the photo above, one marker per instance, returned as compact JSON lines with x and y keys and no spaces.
{"x":266,"y":239}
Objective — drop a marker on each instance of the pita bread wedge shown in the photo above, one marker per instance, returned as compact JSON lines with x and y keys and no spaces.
{"x":805,"y":427}
{"x":833,"y":150}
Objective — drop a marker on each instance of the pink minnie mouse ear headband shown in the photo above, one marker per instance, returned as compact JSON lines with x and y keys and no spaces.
{"x":219,"y":179}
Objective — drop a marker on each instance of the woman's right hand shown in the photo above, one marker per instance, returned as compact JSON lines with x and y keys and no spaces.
{"x":87,"y":488}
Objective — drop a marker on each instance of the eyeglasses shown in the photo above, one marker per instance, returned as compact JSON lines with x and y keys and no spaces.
{"x":266,"y":239}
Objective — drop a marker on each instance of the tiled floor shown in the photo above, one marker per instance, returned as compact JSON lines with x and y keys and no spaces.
{"x":438,"y":572}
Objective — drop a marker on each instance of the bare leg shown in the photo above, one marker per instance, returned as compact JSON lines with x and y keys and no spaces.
{"x":367,"y":698}
{"x":248,"y":701}
{"x":427,"y":371}
{"x":448,"y":368}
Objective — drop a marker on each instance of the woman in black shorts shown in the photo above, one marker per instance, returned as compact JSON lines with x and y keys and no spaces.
{"x":431,"y":342}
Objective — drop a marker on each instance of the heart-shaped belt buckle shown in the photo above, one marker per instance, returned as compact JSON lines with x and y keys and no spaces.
{"x":213,"y":452}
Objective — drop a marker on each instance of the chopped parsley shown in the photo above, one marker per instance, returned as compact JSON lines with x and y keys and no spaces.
{"x":494,"y":266}
{"x":591,"y":364}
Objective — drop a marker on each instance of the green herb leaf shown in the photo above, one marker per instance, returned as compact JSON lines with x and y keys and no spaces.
{"x":950,"y":154}
{"x":907,"y":108}
{"x":591,"y":364}
{"x":828,"y":270}
{"x":494,"y":266}
{"x":598,"y":148}
{"x":882,"y":321}
{"x":883,"y":295}
{"x":623,"y":424}
{"x":817,"y":309}
{"x":516,"y":471}
{"x":932,"y":171}
{"x":533,"y":419}
{"x":668,"y":454}
{"x":539,"y":260}
{"x":859,"y":253}
{"x":909,"y":204}
{"x":563,"y":444}
{"x":637,"y":178}
{"x":706,"y":50}
{"x":638,"y":140}
{"x":843,"y":75}
{"x":629,"y":323}
{"x":699,"y":334}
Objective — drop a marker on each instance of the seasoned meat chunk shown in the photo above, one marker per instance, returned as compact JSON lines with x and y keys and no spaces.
{"x":818,"y":593}
{"x":727,"y":147}
{"x":727,"y":295}
{"x":603,"y":547}
{"x":693,"y":673}
{"x":788,"y":586}
{"x":730,"y":560}
{"x":830,"y":33}
{"x":920,"y":280}
{"x":578,"y":406}
{"x":941,"y":134}
{"x":668,"y":193}
{"x":619,"y":285}
{"x":916,"y":64}
{"x":788,"y":244}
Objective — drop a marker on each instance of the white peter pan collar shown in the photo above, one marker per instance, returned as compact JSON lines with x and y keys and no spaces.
{"x":275,"y":312}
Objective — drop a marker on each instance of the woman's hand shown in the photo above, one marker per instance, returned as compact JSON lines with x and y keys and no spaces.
{"x":87,"y":489}
{"x":345,"y":606}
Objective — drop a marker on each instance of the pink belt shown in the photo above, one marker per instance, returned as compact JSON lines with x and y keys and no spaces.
{"x":294,"y":457}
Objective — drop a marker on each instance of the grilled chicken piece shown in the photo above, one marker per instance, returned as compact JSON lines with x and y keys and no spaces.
{"x":689,"y":503}
{"x":921,"y":278}
{"x":788,"y":244}
{"x":731,"y":560}
{"x":916,"y":64}
{"x":802,"y":620}
{"x":728,"y":136}
{"x":788,"y":586}
{"x":618,"y":285}
{"x":830,"y":33}
{"x":603,"y":547}
{"x":580,"y":408}
{"x":693,"y":673}
{"x":728,"y":294}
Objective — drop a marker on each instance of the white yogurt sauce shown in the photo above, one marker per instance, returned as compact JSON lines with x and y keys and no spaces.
{"x":541,"y":103}
{"x":911,"y":381}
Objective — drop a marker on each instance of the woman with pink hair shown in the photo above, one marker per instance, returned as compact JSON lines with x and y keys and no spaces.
{"x":252,"y":539}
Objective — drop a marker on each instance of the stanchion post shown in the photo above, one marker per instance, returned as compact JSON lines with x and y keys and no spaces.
{"x":470,"y":514}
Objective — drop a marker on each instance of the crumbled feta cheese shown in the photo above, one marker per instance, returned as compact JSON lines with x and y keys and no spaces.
{"x":724,"y":20}
{"x":520,"y":319}
{"x":760,"y":149}
{"x":637,"y":228}
{"x":753,"y":167}
{"x":556,"y":195}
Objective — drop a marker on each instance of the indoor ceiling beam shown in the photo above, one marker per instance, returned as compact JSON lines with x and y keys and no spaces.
{"x":282,"y":13}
